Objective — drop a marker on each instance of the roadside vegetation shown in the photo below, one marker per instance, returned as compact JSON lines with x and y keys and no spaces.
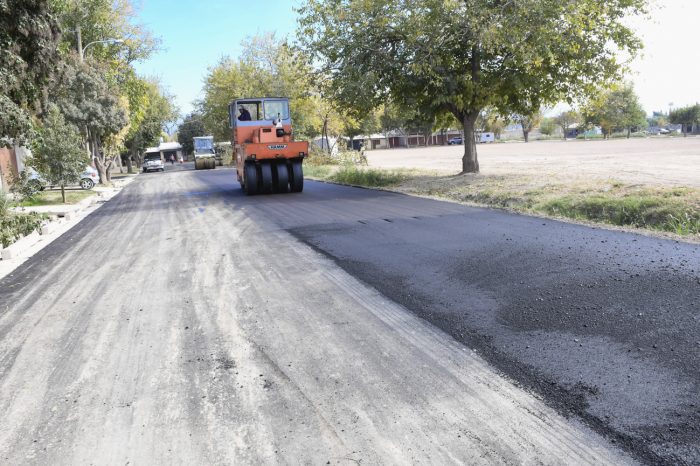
{"x":14,"y":225}
{"x":674,"y":210}
{"x":69,"y":83}
{"x":47,"y":197}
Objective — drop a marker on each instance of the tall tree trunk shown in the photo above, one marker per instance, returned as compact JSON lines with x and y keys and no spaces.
{"x":129,"y":164}
{"x":427,"y":136}
{"x":325,"y":143}
{"x":108,"y":169}
{"x":629,"y":133}
{"x":63,"y":193}
{"x":470,"y":162}
{"x":99,"y":163}
{"x":526,"y":135}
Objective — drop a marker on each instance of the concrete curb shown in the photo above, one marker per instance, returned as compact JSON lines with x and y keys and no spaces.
{"x":16,"y":248}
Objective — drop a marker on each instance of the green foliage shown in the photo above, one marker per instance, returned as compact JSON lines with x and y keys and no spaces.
{"x":361,"y":125}
{"x":58,"y":155}
{"x":350,"y":174}
{"x":13,"y":226}
{"x":528,"y":122}
{"x":90,"y":102}
{"x":491,"y":121}
{"x":685,"y":116}
{"x":23,"y":187}
{"x":658,"y":119}
{"x":191,"y":127}
{"x":268,"y":66}
{"x":106,"y":19}
{"x":616,"y":109}
{"x":464,"y":56}
{"x":646,"y":211}
{"x":548,"y":126}
{"x":29,"y":35}
{"x":318,"y":157}
{"x":151,"y":109}
{"x":50,"y":197}
{"x":567,"y":119}
{"x":4,"y":204}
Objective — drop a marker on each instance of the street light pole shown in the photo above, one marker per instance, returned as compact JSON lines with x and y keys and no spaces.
{"x":105,"y":41}
{"x":80,"y":43}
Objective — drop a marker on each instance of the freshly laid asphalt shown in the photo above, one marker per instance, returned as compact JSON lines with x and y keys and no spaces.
{"x":602,"y":326}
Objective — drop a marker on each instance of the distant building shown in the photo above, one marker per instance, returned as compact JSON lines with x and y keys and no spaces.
{"x":167,"y":149}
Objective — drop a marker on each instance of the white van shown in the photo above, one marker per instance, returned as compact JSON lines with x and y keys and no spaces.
{"x":485,"y":137}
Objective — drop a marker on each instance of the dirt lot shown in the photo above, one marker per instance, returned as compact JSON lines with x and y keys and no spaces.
{"x":655,"y":161}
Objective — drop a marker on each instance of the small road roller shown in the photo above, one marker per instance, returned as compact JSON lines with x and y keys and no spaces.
{"x":204,"y":153}
{"x":268,"y":159}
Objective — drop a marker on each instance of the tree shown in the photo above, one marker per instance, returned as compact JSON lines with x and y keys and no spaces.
{"x":686,"y":117}
{"x":491,"y":121}
{"x":463,"y":56}
{"x":190,"y":127}
{"x":267,"y":66}
{"x":616,"y":109}
{"x":331,"y":122}
{"x":151,"y":110}
{"x":227,"y":80}
{"x":658,"y":119}
{"x":364,"y":125}
{"x":392,"y":118}
{"x":29,"y":58}
{"x":548,"y":126}
{"x":58,"y":154}
{"x":566,"y":120}
{"x":528,"y":122}
{"x":94,"y":106}
{"x":96,"y":20}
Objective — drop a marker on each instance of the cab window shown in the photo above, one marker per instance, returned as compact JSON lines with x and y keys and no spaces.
{"x":254,"y":108}
{"x":276,"y":109}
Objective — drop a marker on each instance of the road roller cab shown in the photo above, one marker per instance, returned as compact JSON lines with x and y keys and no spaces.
{"x":268,"y":160}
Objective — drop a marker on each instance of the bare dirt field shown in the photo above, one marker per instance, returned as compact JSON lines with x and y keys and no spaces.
{"x":656,"y":161}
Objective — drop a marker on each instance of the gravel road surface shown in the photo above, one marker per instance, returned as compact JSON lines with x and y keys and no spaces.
{"x":184,"y":323}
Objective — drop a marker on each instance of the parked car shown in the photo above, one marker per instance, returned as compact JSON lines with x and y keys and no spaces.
{"x":455,"y":141}
{"x":153,"y":162}
{"x":88,"y":179}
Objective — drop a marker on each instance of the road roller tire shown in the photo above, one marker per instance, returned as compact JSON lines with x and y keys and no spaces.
{"x":282,"y":178}
{"x":251,"y":179}
{"x":197,"y":164}
{"x":266,"y":178}
{"x":297,"y":177}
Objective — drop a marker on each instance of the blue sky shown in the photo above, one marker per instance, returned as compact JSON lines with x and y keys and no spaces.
{"x":196,"y":34}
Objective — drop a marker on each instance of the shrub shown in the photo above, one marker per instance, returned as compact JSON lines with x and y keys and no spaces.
{"x":14,"y":226}
{"x":23,"y":187}
{"x":4,"y":204}
{"x":350,"y":174}
{"x":648,"y":211}
{"x":318,"y":157}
